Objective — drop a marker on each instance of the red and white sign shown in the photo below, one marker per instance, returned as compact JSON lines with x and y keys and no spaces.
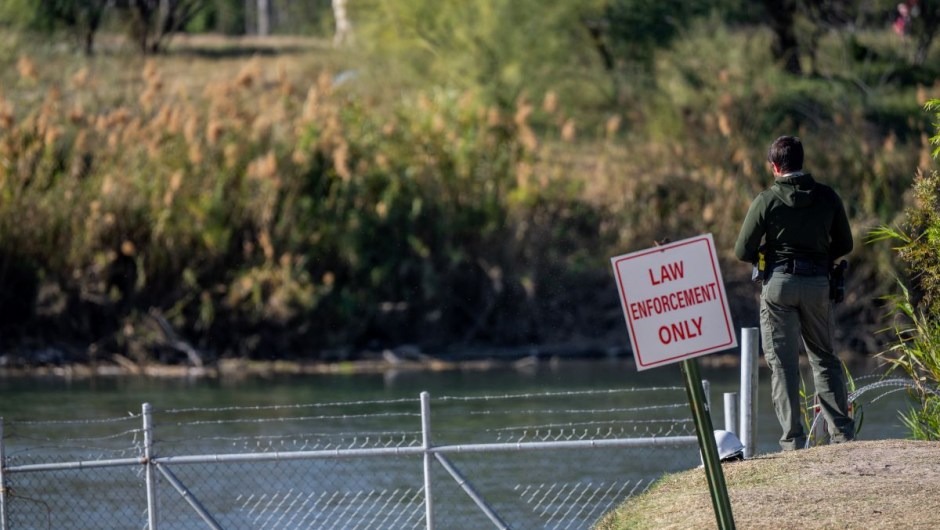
{"x":674,"y":302}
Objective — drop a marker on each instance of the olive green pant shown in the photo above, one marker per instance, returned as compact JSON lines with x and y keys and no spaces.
{"x":796,"y":310}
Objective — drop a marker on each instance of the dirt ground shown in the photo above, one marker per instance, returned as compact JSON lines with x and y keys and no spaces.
{"x":886,"y":484}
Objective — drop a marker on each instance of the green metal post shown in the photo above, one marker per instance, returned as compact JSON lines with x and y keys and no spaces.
{"x":706,"y":441}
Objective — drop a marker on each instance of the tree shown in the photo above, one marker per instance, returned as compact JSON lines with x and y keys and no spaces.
{"x":505,"y":48}
{"x":785,"y":47}
{"x":269,"y":17}
{"x":635,"y":28}
{"x":153,"y":22}
{"x":229,"y":17}
{"x":82,"y":18}
{"x":264,"y":17}
{"x":825,"y":15}
{"x":925,"y":22}
{"x":343,"y":33}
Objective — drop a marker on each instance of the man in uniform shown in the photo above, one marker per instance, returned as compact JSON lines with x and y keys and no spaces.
{"x":801,"y":228}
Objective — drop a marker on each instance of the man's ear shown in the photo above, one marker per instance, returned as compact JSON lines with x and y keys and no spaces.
{"x":776,"y":168}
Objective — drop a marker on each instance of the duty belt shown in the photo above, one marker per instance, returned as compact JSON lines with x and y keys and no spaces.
{"x":802,"y":267}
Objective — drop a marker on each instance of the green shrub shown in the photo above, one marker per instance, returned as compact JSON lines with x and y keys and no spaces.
{"x":495,"y":46}
{"x":917,"y":354}
{"x":917,"y":309}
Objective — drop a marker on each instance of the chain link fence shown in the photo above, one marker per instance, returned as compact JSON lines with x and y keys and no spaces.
{"x":522,"y":461}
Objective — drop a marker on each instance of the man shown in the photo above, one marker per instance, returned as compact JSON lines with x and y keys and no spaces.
{"x":801,"y":228}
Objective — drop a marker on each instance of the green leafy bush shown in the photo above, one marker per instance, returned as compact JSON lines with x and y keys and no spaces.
{"x":916,"y":309}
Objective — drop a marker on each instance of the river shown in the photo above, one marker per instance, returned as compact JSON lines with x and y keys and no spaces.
{"x":47,"y":398}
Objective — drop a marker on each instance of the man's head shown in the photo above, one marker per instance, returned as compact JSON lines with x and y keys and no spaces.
{"x":786,"y":155}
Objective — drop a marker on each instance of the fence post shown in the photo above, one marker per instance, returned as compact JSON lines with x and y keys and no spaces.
{"x":731,"y":412}
{"x":748,"y":408}
{"x":707,"y":390}
{"x":426,"y":445}
{"x":3,"y":484}
{"x":148,"y":467}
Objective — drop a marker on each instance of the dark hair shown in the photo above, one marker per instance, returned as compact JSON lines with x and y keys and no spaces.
{"x":787,"y":153}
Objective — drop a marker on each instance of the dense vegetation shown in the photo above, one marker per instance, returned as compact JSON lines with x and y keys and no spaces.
{"x":916,"y":349}
{"x":457,"y":178}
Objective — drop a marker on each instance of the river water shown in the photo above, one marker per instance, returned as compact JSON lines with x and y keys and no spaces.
{"x":51,"y":398}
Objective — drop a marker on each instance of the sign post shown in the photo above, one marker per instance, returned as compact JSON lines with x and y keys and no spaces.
{"x":706,"y":441}
{"x":676,"y":309}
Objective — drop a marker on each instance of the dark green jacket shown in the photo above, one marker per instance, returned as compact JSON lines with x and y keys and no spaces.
{"x":797,"y":217}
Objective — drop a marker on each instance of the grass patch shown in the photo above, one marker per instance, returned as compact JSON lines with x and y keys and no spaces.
{"x":879,"y":484}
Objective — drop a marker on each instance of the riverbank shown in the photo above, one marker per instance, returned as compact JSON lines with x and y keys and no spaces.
{"x":404,"y":359}
{"x":886,"y":484}
{"x":401,"y":359}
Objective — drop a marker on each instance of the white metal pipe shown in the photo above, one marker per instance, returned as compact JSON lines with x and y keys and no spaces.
{"x":651,"y":441}
{"x":290,"y":455}
{"x":748,"y":409}
{"x":426,"y":446}
{"x":189,"y":497}
{"x":79,"y":464}
{"x":3,"y":485}
{"x":707,"y":390}
{"x":469,"y":490}
{"x":146,"y":413}
{"x":731,"y":412}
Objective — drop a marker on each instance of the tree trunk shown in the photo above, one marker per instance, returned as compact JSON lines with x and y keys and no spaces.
{"x":925,"y":26}
{"x":264,"y":18}
{"x":94,"y":13}
{"x":89,"y":42}
{"x":343,"y":33}
{"x":785,"y":48}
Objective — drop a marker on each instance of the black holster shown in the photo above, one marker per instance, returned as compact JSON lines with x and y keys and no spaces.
{"x":837,"y":282}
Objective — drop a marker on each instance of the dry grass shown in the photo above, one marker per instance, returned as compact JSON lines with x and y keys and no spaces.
{"x":191,"y":63}
{"x":866,"y":484}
